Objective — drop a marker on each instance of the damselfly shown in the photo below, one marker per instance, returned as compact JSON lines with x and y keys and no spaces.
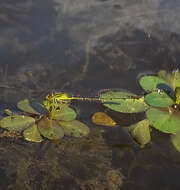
{"x":57,"y":99}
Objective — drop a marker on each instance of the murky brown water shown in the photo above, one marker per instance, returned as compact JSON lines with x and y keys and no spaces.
{"x":81,"y":47}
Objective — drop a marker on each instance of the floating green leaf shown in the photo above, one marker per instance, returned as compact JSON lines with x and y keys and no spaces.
{"x":30,"y":107}
{"x":150,"y":82}
{"x":101,"y":118}
{"x":50,"y":129}
{"x":164,"y":120}
{"x":140,"y":132}
{"x":124,"y":102}
{"x":158,"y":99}
{"x":17,"y":122}
{"x":74,"y":128}
{"x":176,"y":140}
{"x":32,"y":134}
{"x":65,"y":113}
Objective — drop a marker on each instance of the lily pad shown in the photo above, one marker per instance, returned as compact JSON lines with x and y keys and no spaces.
{"x":65,"y":113}
{"x":165,"y":121}
{"x":32,"y":134}
{"x":124,"y":102}
{"x":31,"y":107}
{"x":176,"y":140}
{"x":101,"y":118}
{"x":74,"y":128}
{"x":140,"y":132}
{"x":17,"y":122}
{"x":158,"y":99}
{"x":150,"y":82}
{"x":50,"y":129}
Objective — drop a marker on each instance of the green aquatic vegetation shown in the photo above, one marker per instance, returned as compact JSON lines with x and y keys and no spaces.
{"x":55,"y":118}
{"x":162,"y":93}
{"x":173,"y":78}
{"x":163,"y":90}
{"x":74,"y":128}
{"x":141,"y":132}
{"x":27,"y":106}
{"x":46,"y":121}
{"x":166,"y":120}
{"x":64,"y":113}
{"x":150,"y":82}
{"x":17,"y":122}
{"x":124,"y":102}
{"x":32,"y":134}
{"x":176,"y":140}
{"x":177,"y":95}
{"x":159,"y":99}
{"x":166,"y":114}
{"x":50,"y":129}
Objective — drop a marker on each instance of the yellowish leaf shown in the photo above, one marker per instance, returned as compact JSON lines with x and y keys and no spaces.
{"x":101,"y":118}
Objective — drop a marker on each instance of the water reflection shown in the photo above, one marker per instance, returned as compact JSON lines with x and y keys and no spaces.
{"x":82,"y":46}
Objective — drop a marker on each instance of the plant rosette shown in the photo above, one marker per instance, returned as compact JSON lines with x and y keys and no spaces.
{"x":163,"y":95}
{"x":36,"y":121}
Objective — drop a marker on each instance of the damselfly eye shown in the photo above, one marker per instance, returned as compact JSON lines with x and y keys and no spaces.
{"x":49,"y":96}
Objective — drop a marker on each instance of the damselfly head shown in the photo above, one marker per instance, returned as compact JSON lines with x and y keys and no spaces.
{"x":50,"y":96}
{"x":58,"y":97}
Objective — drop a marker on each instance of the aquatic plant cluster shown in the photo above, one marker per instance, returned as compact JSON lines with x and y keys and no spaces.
{"x":36,"y":121}
{"x":55,"y":118}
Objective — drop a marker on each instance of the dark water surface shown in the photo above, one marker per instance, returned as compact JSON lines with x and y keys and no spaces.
{"x":82,"y":46}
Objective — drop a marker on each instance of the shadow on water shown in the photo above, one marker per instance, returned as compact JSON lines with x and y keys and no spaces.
{"x":81,"y":47}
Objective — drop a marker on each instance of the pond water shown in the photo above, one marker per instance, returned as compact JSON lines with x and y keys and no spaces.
{"x":81,"y":47}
